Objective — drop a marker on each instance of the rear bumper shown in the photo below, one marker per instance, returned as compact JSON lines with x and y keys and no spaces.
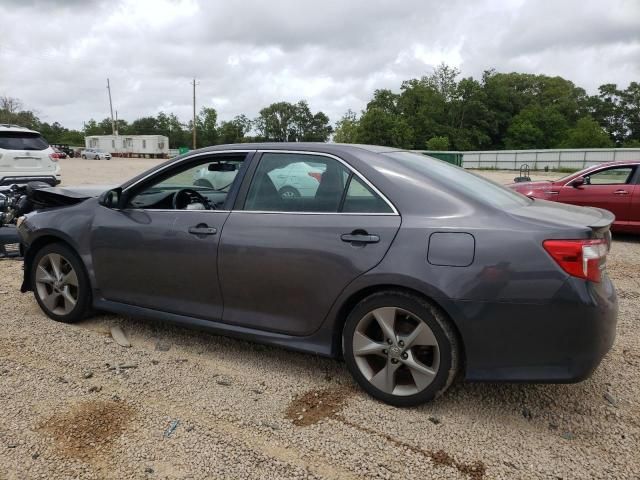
{"x":562,"y":341}
{"x":52,"y":180}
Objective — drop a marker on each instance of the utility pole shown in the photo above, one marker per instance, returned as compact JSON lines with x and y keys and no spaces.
{"x":113,"y":125}
{"x":116,"y":129}
{"x":194,"y":113}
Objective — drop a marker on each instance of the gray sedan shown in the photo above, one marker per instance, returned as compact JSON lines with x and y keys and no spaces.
{"x":412,"y":270}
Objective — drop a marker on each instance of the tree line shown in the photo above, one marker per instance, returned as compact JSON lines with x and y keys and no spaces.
{"x":439,"y":111}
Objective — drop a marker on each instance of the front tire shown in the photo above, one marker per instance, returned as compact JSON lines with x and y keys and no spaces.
{"x":60,"y":283}
{"x":400,"y":348}
{"x":97,"y":157}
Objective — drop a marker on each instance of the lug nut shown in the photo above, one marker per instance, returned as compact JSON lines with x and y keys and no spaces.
{"x":394,"y":360}
{"x":385,"y":351}
{"x":389,"y":341}
{"x":405,"y":356}
{"x":401,"y":343}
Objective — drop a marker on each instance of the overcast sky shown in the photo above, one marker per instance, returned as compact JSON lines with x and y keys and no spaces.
{"x":56,"y":55}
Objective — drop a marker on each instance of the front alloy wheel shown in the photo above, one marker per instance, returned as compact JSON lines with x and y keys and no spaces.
{"x":57,"y":283}
{"x":60,"y":283}
{"x":400,"y":348}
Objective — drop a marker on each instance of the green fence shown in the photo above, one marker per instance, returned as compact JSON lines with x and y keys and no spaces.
{"x":454,"y":158}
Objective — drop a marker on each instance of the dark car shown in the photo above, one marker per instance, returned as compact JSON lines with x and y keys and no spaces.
{"x":411,"y":269}
{"x":63,"y":147}
{"x":614,"y":186}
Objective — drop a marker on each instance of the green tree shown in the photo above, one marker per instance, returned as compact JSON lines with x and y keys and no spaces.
{"x":346,"y":130}
{"x":234,"y":131}
{"x":207,"y":127}
{"x":536,"y":127}
{"x":438,"y":143}
{"x":587,"y":134}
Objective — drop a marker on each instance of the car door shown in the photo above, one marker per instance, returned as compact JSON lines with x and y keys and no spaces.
{"x":151,"y":255}
{"x":283,"y":260}
{"x":609,"y":188}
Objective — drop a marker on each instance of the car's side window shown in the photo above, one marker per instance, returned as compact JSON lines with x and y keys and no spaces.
{"x":210,"y":179}
{"x":611,"y":176}
{"x":295,"y":182}
{"x":362,"y":199}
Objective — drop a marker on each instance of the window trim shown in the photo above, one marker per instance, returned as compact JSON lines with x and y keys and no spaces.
{"x":351,"y":170}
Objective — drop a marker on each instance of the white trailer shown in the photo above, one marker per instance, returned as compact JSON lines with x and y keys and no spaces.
{"x":153,"y":146}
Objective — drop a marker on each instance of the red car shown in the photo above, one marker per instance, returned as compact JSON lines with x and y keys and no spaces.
{"x":614,"y":186}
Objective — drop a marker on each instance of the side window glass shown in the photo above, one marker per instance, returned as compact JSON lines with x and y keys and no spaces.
{"x":210,"y":180}
{"x":362,"y":199}
{"x":291,"y":182}
{"x":611,"y":176}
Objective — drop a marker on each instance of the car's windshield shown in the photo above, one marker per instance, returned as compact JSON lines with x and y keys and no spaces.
{"x":22,"y":141}
{"x":480,"y":188}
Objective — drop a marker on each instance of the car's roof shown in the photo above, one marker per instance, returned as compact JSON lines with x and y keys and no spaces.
{"x":7,"y":127}
{"x":320,"y":147}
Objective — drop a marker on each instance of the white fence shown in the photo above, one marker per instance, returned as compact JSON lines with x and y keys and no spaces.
{"x":551,"y":159}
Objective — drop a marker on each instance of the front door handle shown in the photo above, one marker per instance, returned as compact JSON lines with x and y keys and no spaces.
{"x":202,"y":229}
{"x":621,"y":192}
{"x":359,"y":238}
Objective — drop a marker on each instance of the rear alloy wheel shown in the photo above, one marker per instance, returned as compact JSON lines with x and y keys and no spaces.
{"x":287,"y":193}
{"x":60,"y":284}
{"x":400,"y":348}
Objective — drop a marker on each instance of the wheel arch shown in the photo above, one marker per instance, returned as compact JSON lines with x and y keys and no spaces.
{"x":355,"y":297}
{"x":37,"y":245}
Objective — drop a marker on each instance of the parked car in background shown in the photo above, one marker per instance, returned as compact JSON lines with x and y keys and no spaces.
{"x":63,"y":147}
{"x":614,"y":186}
{"x":409,"y":268}
{"x":299,"y":179}
{"x":25,"y":157}
{"x":95,"y":154}
{"x":59,"y":153}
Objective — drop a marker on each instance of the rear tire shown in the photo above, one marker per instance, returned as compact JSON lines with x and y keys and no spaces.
{"x":288,"y":193}
{"x":60,"y":283}
{"x":97,"y":157}
{"x":84,"y":157}
{"x":400,"y":348}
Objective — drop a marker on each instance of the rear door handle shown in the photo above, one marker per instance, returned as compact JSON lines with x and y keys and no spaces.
{"x":359,"y":238}
{"x":202,"y":229}
{"x":621,"y":192}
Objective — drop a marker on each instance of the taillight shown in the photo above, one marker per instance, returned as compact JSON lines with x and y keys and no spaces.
{"x":54,"y":156}
{"x":579,"y":258}
{"x":316,"y":175}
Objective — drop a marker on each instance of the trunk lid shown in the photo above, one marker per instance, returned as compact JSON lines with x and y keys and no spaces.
{"x":563,"y":215}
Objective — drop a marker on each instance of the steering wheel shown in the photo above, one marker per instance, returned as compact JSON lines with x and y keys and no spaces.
{"x":187,"y":196}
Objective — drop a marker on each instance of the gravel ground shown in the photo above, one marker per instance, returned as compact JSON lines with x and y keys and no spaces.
{"x":186,"y":404}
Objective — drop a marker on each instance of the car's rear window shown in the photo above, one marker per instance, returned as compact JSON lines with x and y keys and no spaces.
{"x":22,"y":141}
{"x":480,"y":188}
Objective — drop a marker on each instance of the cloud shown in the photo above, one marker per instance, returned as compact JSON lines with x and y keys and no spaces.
{"x":333,"y":54}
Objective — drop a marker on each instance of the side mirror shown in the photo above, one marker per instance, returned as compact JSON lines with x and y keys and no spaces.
{"x":111,"y":198}
{"x":578,"y":182}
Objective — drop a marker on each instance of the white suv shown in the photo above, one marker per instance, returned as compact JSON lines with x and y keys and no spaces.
{"x":26,"y":157}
